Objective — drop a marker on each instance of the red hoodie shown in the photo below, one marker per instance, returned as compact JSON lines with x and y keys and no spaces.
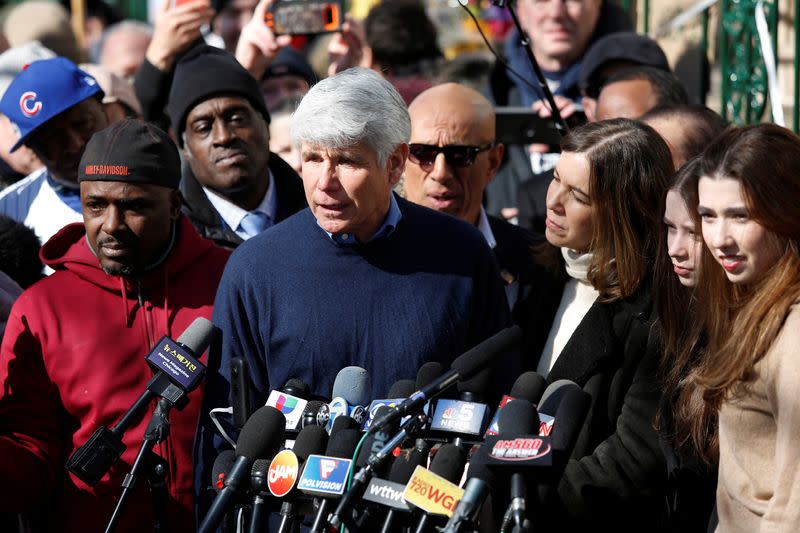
{"x":72,"y":359}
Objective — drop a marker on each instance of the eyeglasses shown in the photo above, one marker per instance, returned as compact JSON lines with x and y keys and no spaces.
{"x":456,"y":155}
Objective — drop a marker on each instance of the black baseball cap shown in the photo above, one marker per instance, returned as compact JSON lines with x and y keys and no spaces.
{"x":132,"y":151}
{"x":624,"y":47}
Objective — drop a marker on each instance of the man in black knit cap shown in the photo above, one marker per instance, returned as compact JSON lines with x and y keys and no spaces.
{"x":233,"y":186}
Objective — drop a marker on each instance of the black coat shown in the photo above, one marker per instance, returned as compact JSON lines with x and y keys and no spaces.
{"x":514,"y":252}
{"x":208,"y":222}
{"x":615,"y":478}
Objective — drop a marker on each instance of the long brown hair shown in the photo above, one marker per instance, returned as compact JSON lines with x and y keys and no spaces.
{"x":629,"y":168}
{"x":683,"y":343}
{"x":742,"y":322}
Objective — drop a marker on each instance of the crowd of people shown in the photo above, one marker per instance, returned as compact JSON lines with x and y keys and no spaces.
{"x":342,"y":200}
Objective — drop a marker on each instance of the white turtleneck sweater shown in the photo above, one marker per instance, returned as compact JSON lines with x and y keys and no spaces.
{"x":577,"y":298}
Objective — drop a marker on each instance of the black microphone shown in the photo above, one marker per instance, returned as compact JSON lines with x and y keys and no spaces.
{"x":448,"y":463}
{"x":262,"y":436}
{"x":570,"y":415}
{"x":310,"y":412}
{"x":529,"y":386}
{"x":312,"y":440}
{"x":177,"y":372}
{"x":427,"y":373}
{"x":222,"y":465}
{"x":342,"y":444}
{"x":402,"y":470}
{"x":464,"y":367}
{"x":402,"y":388}
{"x":480,"y":484}
{"x":551,"y":398}
{"x":518,"y":418}
{"x":240,"y":391}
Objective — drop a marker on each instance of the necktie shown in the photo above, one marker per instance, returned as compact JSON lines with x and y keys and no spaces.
{"x":254,"y":223}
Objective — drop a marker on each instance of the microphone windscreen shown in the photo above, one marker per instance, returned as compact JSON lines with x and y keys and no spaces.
{"x":529,"y":386}
{"x":402,"y":388}
{"x":310,"y":440}
{"x":518,"y":417}
{"x":222,"y":465}
{"x":296,"y":387}
{"x":343,"y":422}
{"x":569,"y":418}
{"x":480,"y":470}
{"x":199,"y":335}
{"x":479,"y":357}
{"x":354,"y":385}
{"x":343,"y":444}
{"x":551,"y":398}
{"x":313,"y":407}
{"x":262,"y":435}
{"x":259,"y":474}
{"x":405,"y":463}
{"x":477,"y":384}
{"x":449,"y":463}
{"x":427,"y":373}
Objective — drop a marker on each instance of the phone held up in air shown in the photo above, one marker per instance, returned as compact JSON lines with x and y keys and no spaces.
{"x":305,"y":17}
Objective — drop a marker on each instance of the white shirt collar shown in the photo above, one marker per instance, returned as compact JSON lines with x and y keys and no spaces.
{"x":485,"y":229}
{"x":233,"y":214}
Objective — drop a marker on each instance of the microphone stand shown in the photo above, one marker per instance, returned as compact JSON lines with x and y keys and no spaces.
{"x":154,"y":467}
{"x":525,"y":41}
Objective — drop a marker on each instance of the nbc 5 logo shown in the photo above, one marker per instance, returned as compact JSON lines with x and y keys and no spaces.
{"x":326,"y":466}
{"x":28,"y":104}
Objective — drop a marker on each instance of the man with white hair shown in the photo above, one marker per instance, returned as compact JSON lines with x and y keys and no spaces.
{"x":362,"y":277}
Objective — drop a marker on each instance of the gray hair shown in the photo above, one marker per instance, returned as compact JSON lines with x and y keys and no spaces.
{"x":357,"y":105}
{"x":132,"y":25}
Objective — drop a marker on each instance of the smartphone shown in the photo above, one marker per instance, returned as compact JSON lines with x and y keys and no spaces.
{"x":304,"y":17}
{"x":521,"y":125}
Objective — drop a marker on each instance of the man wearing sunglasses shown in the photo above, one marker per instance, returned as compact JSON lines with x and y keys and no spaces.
{"x":452,"y":158}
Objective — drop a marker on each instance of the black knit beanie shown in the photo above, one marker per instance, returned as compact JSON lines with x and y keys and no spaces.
{"x":132,"y":151}
{"x":205,"y":72}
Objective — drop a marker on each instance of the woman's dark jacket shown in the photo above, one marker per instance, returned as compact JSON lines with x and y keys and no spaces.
{"x":615,"y":478}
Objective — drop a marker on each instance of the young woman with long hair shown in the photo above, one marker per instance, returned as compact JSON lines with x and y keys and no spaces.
{"x":749,"y":202}
{"x":690,"y":457}
{"x":588,"y":319}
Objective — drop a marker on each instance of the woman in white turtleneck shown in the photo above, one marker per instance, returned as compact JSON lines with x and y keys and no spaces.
{"x":588,"y":319}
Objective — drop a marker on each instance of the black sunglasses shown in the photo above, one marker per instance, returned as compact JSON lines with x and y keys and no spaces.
{"x":456,"y":155}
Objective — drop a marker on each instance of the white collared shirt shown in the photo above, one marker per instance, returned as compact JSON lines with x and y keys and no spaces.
{"x":233,"y":214}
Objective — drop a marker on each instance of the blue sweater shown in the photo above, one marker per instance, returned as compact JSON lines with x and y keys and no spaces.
{"x":295,"y":304}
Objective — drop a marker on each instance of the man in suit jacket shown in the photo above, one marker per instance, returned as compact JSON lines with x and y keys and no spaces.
{"x":233,"y":186}
{"x":453,"y":157}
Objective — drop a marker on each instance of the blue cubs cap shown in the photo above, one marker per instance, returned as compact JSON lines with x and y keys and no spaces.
{"x":43,"y":90}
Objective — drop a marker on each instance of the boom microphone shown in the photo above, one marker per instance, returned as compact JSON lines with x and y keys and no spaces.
{"x":464,"y":367}
{"x":262,"y":436}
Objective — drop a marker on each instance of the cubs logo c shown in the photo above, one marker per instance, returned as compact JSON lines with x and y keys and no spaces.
{"x":29,"y":105}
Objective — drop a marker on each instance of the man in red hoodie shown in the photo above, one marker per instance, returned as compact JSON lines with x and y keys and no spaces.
{"x":73,"y":354}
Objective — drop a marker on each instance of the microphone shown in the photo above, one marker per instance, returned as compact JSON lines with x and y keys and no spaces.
{"x":389,"y":492}
{"x":291,"y":401}
{"x":310,"y":413}
{"x":352,"y":389}
{"x":528,"y":386}
{"x":464,"y":367}
{"x":222,"y":465}
{"x":177,"y":372}
{"x":402,"y":388}
{"x":261,"y":437}
{"x":240,"y":391}
{"x":518,"y":418}
{"x":399,"y":391}
{"x":467,"y":417}
{"x":284,"y":471}
{"x":436,"y":494}
{"x":325,"y":476}
{"x":574,"y":416}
